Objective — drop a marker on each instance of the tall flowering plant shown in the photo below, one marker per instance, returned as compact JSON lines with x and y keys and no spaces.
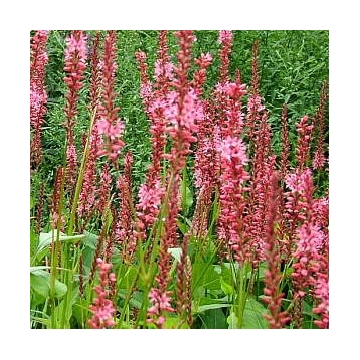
{"x":102,"y":307}
{"x":254,"y":245}
{"x":109,"y":123}
{"x":75,"y":64}
{"x":38,"y":96}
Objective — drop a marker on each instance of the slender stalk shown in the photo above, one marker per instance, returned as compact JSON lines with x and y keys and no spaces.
{"x":56,"y":247}
{"x":80,"y":179}
{"x":68,"y":276}
{"x":241,"y":294}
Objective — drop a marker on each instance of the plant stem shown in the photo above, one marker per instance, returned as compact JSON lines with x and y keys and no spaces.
{"x":80,"y":179}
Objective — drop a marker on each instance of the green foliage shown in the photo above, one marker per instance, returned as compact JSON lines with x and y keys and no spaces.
{"x":40,"y":283}
{"x":253,"y":317}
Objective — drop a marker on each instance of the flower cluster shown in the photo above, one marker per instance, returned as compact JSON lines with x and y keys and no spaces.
{"x":160,"y":303}
{"x":182,"y":117}
{"x":277,"y":318}
{"x":88,"y":191}
{"x":305,"y":130}
{"x":225,"y":39}
{"x":309,"y":220}
{"x":310,"y":241}
{"x":319,"y":121}
{"x":233,"y":159}
{"x":103,"y":308}
{"x":38,"y":96}
{"x":95,"y":80}
{"x":109,"y":123}
{"x":75,"y":64}
{"x":104,"y":189}
{"x":203,"y":63}
{"x":255,"y":107}
{"x":125,"y":224}
{"x":321,"y":293}
{"x":228,"y":96}
{"x":149,"y":202}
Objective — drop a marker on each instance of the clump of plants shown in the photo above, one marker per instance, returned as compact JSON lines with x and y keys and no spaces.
{"x":229,"y":225}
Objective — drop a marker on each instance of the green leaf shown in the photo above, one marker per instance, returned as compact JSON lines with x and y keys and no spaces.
{"x":46,"y":239}
{"x":214,"y":319}
{"x":186,"y":194}
{"x":226,"y":288}
{"x":262,"y":269}
{"x":308,"y":310}
{"x":171,"y":322}
{"x":34,"y":269}
{"x":205,"y":276}
{"x":253,"y":316}
{"x":232,"y":321}
{"x":60,"y":310}
{"x":60,"y":289}
{"x":90,"y":240}
{"x":184,"y":228}
{"x":203,"y":308}
{"x":40,"y":283}
{"x":34,"y":241}
{"x":126,"y":277}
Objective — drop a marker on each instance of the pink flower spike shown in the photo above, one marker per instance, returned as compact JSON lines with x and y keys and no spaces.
{"x":225,"y":36}
{"x":102,"y":308}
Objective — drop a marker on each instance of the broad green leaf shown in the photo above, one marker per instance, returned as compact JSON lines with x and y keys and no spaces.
{"x":228,"y":271}
{"x":205,"y":276}
{"x":60,"y":289}
{"x":34,"y":241}
{"x":217,"y":269}
{"x":40,"y":283}
{"x":126,"y":276}
{"x":59,"y":312}
{"x":34,"y":269}
{"x":171,"y":322}
{"x":90,"y":240}
{"x":232,"y":321}
{"x":226,"y":288}
{"x":203,"y":308}
{"x":213,"y":319}
{"x":46,"y":239}
{"x":39,"y":320}
{"x":184,"y":228}
{"x":308,"y":310}
{"x":253,"y":316}
{"x":81,"y":311}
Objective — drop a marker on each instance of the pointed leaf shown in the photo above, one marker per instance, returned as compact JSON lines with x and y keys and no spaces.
{"x":226,"y":288}
{"x":90,"y":240}
{"x":232,"y":321}
{"x":253,"y":316}
{"x":46,"y":239}
{"x":40,"y":283}
{"x":203,"y":308}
